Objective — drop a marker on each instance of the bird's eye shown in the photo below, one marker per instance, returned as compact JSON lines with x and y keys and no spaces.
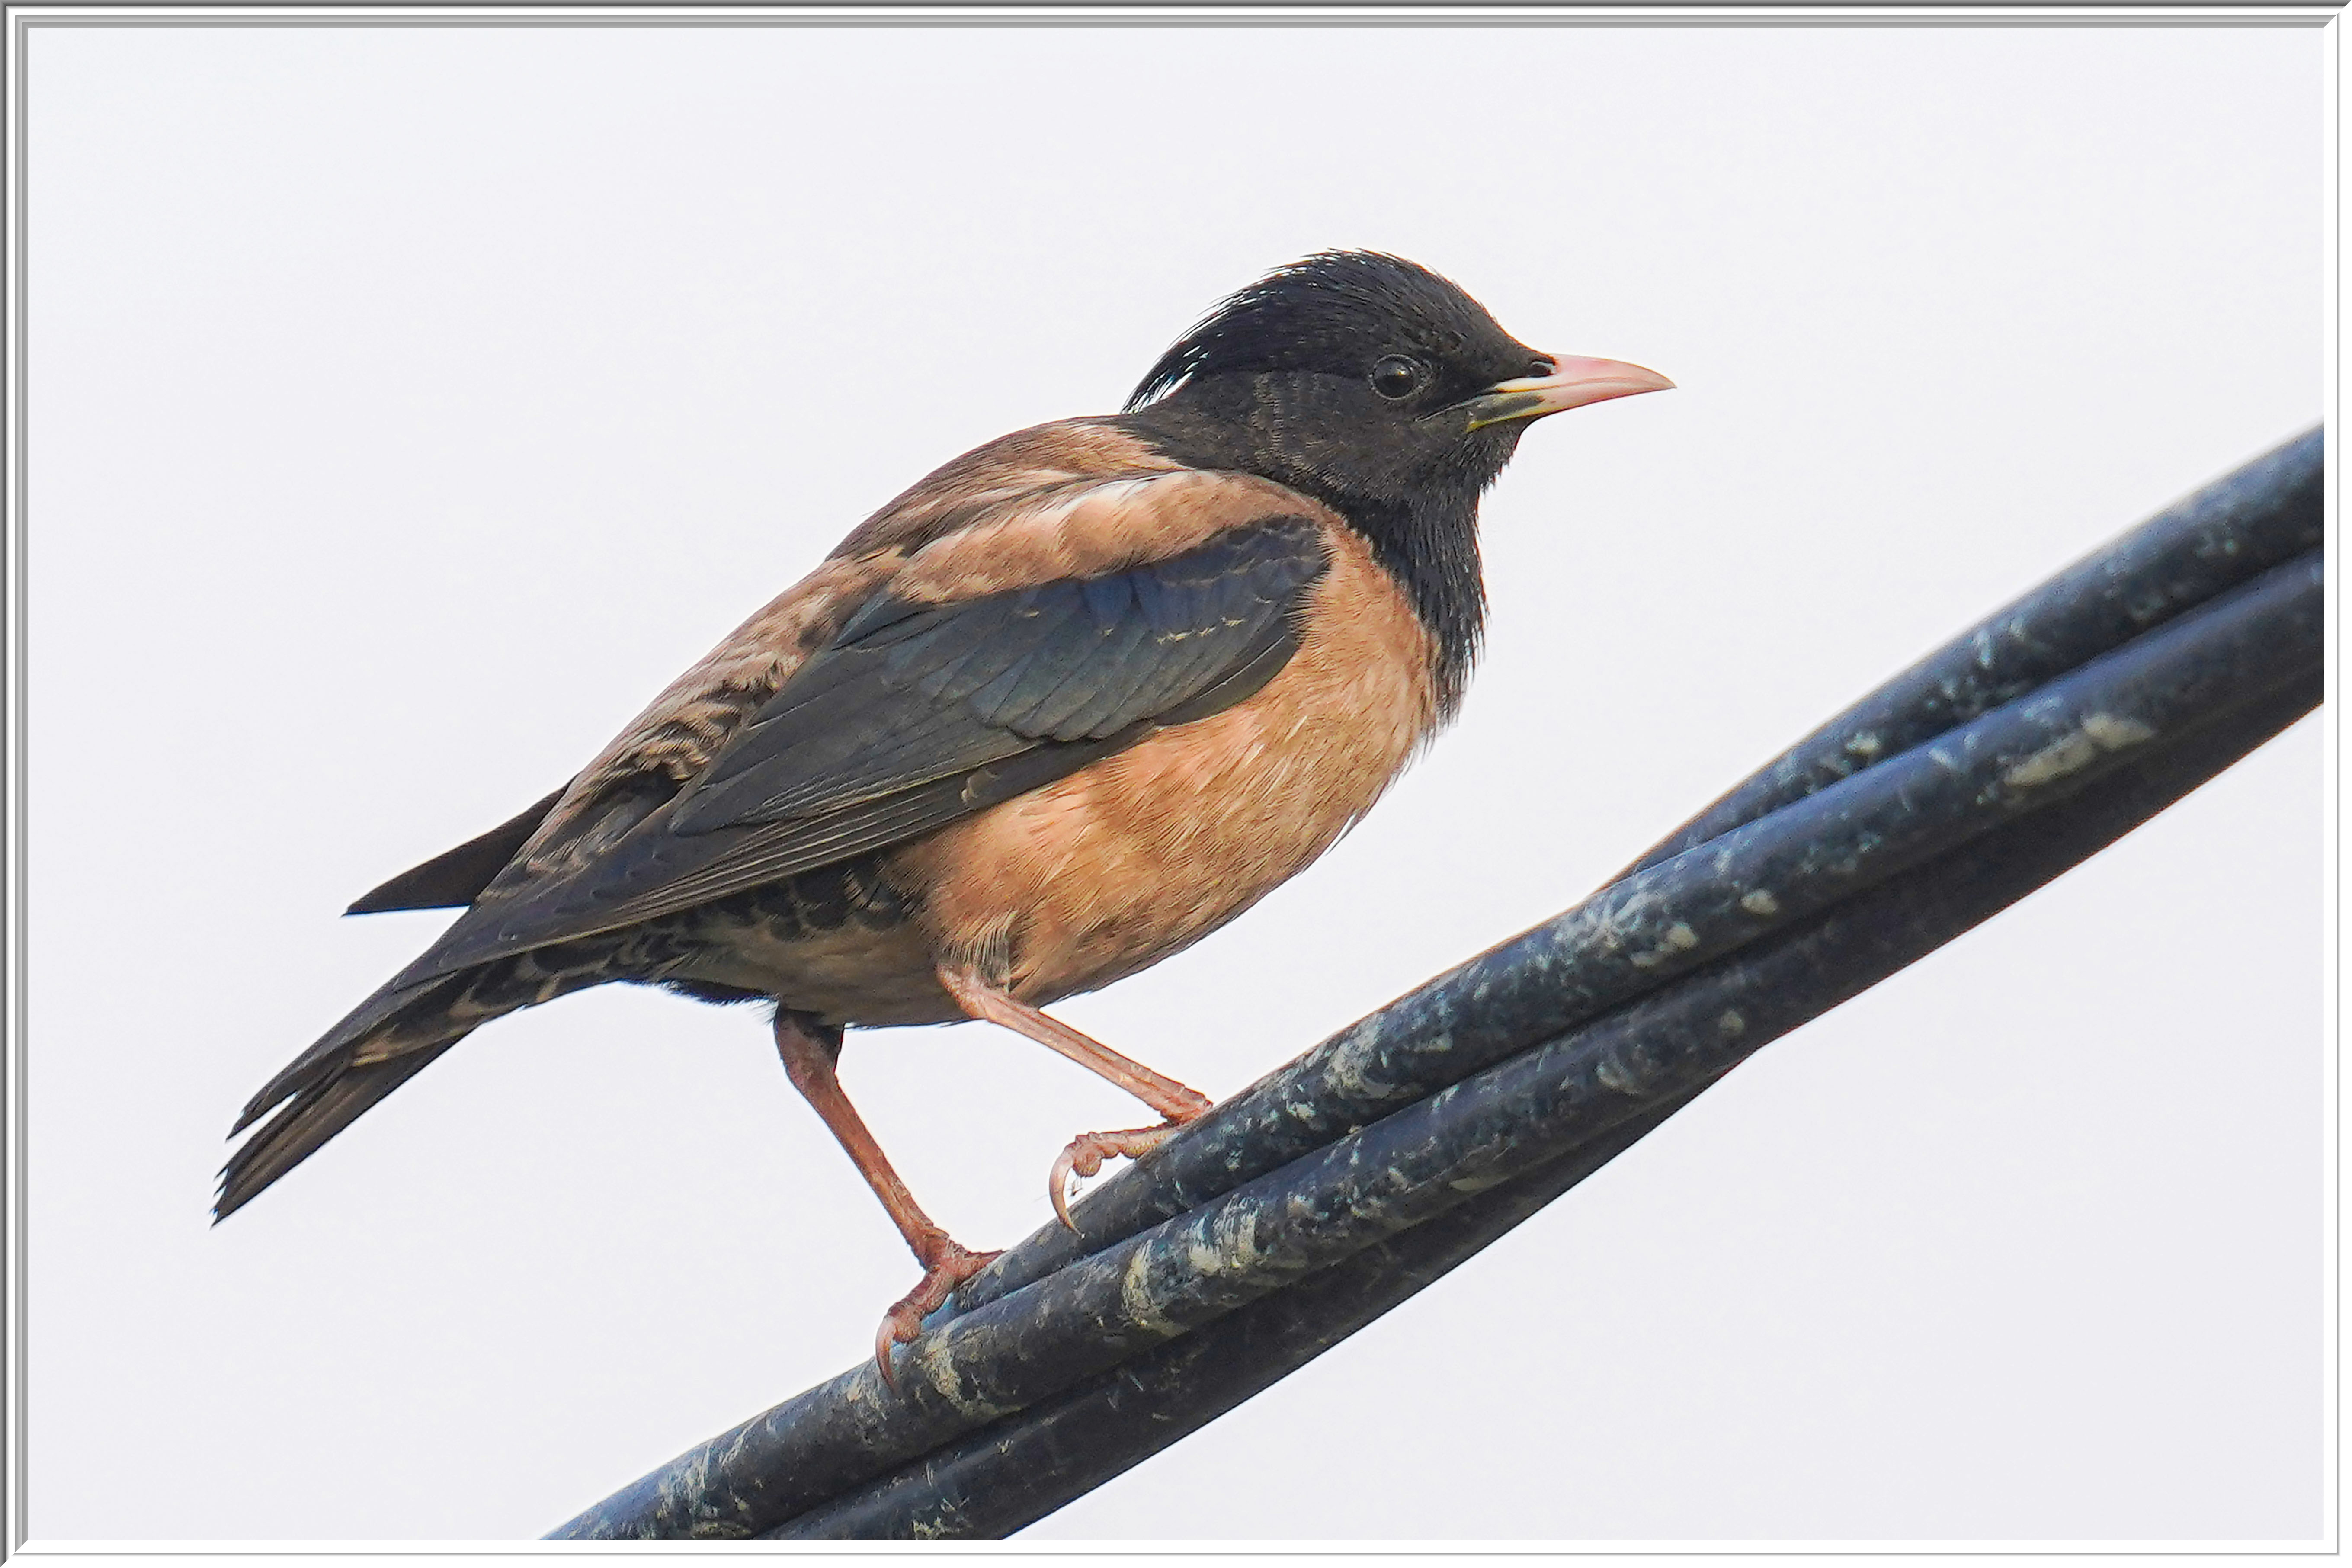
{"x":1397,"y":376}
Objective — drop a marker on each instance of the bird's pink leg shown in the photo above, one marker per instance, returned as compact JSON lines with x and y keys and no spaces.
{"x":810,"y":1052}
{"x":1087,"y":1152}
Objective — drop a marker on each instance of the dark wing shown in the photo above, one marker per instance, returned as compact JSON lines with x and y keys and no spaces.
{"x":910,"y":693}
{"x":455,"y":877}
{"x":919,"y":714}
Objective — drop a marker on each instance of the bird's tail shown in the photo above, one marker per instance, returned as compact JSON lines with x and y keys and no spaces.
{"x":385,"y":1041}
{"x":315,"y":1114}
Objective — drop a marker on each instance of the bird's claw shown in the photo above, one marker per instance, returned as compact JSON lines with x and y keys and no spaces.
{"x":946,"y":1265}
{"x":1088,"y":1150}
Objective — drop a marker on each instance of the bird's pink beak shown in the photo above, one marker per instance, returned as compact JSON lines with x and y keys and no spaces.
{"x":1572,"y":384}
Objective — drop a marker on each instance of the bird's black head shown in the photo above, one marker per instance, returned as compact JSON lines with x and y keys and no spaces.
{"x":1383,"y":391}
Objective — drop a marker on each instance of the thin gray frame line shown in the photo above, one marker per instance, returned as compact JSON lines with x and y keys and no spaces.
{"x":1632,"y":1547}
{"x":1318,"y":13}
{"x":1302,"y":14}
{"x":1305,"y":13}
{"x":2111,"y":15}
{"x":14,"y":832}
{"x":2331,"y":679}
{"x":1296,"y":13}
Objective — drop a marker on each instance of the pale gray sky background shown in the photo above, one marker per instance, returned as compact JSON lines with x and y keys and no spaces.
{"x":407,"y":406}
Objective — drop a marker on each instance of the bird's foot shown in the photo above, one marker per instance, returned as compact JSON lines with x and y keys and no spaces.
{"x":946,"y":1265}
{"x":1088,"y":1150}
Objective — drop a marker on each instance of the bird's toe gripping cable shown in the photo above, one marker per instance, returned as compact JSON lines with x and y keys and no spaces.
{"x":1088,"y":1150}
{"x":947,"y":1264}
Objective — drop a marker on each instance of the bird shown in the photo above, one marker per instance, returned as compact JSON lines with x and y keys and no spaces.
{"x":1062,"y":707}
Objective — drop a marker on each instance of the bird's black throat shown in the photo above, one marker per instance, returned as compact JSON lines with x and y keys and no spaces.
{"x":1433,"y":553}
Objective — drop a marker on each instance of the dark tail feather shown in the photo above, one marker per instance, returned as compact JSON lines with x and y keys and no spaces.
{"x":455,"y":877}
{"x":403,"y":1028}
{"x":382,"y":1044}
{"x":335,"y":1048}
{"x":318,"y":1113}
